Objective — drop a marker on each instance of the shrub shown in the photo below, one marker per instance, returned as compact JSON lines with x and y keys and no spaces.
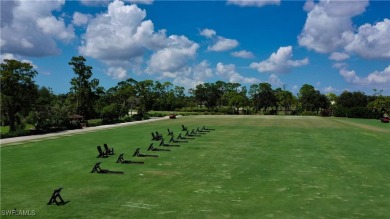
{"x":308,"y":113}
{"x":341,"y":112}
{"x":271,"y":112}
{"x":325,"y":113}
{"x":15,"y":134}
{"x":95,"y":122}
{"x":127,"y":119}
{"x":137,"y":117}
{"x":156,"y":114}
{"x":362,"y":112}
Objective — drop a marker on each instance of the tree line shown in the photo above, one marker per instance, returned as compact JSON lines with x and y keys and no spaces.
{"x":23,"y":101}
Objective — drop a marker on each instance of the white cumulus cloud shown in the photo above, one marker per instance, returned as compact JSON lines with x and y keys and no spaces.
{"x":174,"y":57}
{"x":208,"y":33}
{"x":122,"y":37}
{"x":243,"y":54}
{"x":229,"y":72}
{"x":119,"y":73}
{"x":327,"y":21}
{"x":118,"y":33}
{"x":338,"y":56}
{"x":95,"y":3}
{"x":223,"y":44}
{"x":330,"y":89}
{"x":190,"y":76}
{"x":253,"y":3}
{"x":220,"y":44}
{"x":370,"y":41}
{"x":380,"y":78}
{"x":10,"y":56}
{"x":144,"y":2}
{"x":56,"y":28}
{"x":33,"y":30}
{"x":279,"y":62}
{"x":273,"y":79}
{"x":80,"y":19}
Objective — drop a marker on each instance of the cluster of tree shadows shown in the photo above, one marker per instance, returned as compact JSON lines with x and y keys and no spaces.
{"x":106,"y":151}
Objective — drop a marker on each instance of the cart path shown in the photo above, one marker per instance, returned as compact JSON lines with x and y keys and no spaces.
{"x":18,"y":140}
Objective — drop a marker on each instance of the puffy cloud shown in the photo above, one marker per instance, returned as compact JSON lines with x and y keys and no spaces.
{"x":126,"y":24}
{"x":329,"y":27}
{"x":309,"y":5}
{"x":16,"y":57}
{"x":279,"y":62}
{"x":7,"y":15}
{"x":371,"y":41}
{"x":229,"y":72}
{"x":381,"y":78}
{"x":80,"y":19}
{"x":275,"y":80}
{"x":190,"y":76}
{"x":223,"y":44}
{"x":119,"y":73}
{"x":350,"y":76}
{"x":243,"y":54}
{"x":208,"y":33}
{"x":174,"y":57}
{"x":253,"y":3}
{"x":121,"y":37}
{"x":56,"y":28}
{"x":327,"y":21}
{"x":330,"y":89}
{"x":144,"y":2}
{"x":186,"y":82}
{"x":33,"y":29}
{"x":202,"y":71}
{"x":95,"y":3}
{"x":118,"y":33}
{"x":338,"y":56}
{"x":340,"y":65}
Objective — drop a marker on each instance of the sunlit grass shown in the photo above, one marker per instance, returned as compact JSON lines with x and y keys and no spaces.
{"x":249,"y":167}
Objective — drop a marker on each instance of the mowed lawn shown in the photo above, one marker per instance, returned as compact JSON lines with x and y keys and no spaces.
{"x":249,"y":167}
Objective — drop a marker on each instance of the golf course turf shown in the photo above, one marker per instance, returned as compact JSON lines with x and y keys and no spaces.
{"x":248,"y":167}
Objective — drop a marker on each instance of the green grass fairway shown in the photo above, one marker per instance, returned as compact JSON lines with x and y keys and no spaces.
{"x":249,"y":167}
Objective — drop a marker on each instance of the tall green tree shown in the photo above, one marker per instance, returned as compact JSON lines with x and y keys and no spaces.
{"x":145,"y":94}
{"x":264,"y":97}
{"x":285,"y":99}
{"x":41,"y":115}
{"x":84,"y":90}
{"x":381,"y":105}
{"x":352,"y":99}
{"x":308,"y":97}
{"x":208,"y":94}
{"x":18,"y":91}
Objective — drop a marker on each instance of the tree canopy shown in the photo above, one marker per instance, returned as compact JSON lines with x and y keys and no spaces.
{"x":18,"y":91}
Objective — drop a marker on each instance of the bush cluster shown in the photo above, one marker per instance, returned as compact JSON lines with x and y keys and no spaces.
{"x":356,"y":112}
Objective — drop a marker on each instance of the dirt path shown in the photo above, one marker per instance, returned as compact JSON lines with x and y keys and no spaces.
{"x":7,"y":141}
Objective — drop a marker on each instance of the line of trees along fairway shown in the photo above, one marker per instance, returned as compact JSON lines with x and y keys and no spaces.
{"x":23,"y":101}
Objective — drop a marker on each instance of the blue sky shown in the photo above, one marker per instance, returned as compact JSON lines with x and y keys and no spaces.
{"x":332,"y":45}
